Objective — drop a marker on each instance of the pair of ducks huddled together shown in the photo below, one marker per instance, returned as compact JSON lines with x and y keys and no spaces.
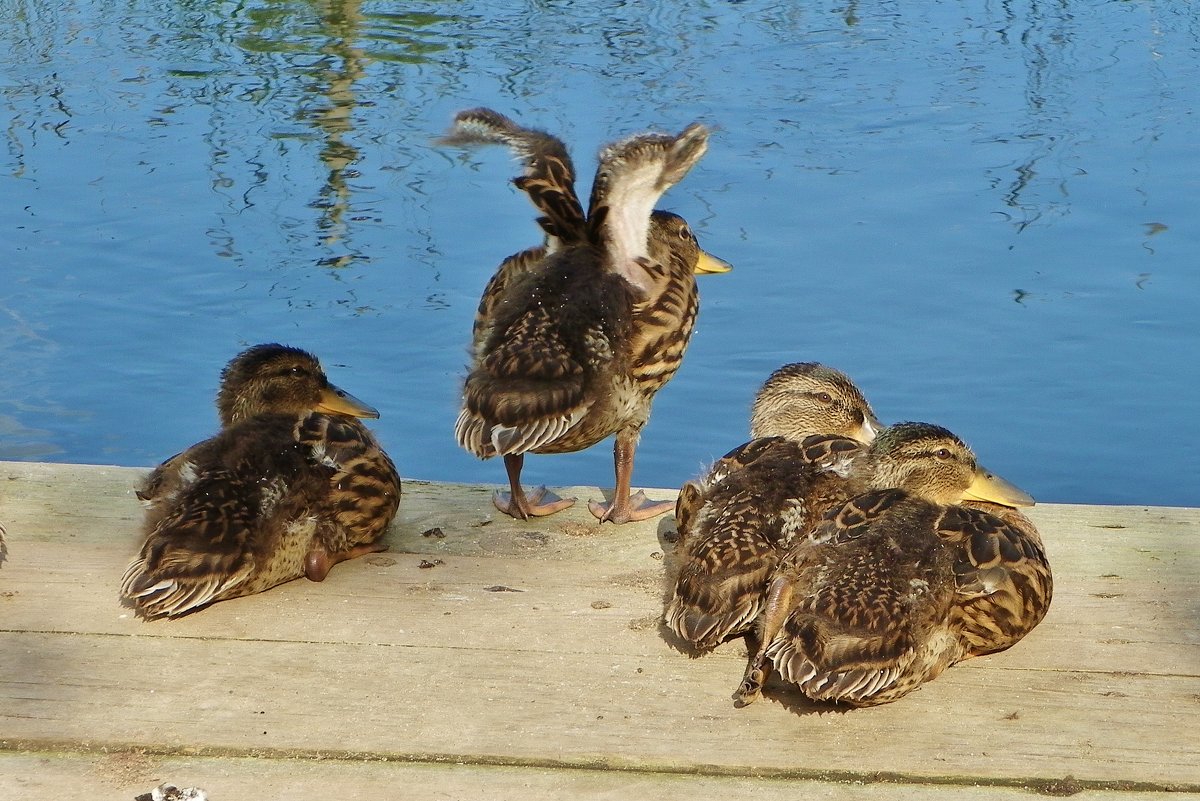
{"x":856,"y":566}
{"x":859,"y":561}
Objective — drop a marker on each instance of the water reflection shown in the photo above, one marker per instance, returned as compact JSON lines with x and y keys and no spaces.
{"x":305,"y":60}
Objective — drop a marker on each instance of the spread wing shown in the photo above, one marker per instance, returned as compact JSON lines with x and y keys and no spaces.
{"x":632,"y":175}
{"x":549,"y":175}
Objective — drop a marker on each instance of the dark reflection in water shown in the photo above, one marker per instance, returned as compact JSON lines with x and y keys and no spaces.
{"x":982,"y":210}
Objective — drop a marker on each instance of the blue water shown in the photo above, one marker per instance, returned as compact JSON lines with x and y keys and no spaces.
{"x":985,"y":212}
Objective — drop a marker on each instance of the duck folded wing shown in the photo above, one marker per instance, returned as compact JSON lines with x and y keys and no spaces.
{"x":859,"y":631}
{"x":201,"y":551}
{"x":747,"y":454}
{"x":726,"y":563}
{"x":1002,"y":577}
{"x":832,"y":453}
{"x":528,"y":390}
{"x":512,"y":269}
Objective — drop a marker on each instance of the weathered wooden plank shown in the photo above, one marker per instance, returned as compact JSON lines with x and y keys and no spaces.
{"x":579,"y":706}
{"x":389,"y":659}
{"x":124,"y":774}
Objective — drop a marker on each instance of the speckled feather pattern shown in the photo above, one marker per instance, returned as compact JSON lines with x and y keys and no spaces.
{"x":870,"y":587}
{"x":250,"y":504}
{"x":291,"y":485}
{"x":736,"y":522}
{"x":572,"y":341}
{"x":238,"y":513}
{"x":1003,"y":576}
{"x":891,"y":588}
{"x":549,"y":174}
{"x":730,"y":545}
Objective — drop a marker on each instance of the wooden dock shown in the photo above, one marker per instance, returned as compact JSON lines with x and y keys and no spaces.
{"x":484,"y":658}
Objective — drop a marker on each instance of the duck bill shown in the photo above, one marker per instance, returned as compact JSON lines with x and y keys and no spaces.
{"x":339,"y":401}
{"x":993,"y":489}
{"x":708,"y":264}
{"x":868,"y":430}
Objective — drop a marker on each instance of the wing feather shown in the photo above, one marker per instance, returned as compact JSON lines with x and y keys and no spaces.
{"x":549,"y":175}
{"x":632,"y":175}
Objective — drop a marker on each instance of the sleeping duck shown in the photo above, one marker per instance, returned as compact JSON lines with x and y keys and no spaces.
{"x":573,"y":339}
{"x":903,"y":580}
{"x":291,"y":485}
{"x":810,"y":422}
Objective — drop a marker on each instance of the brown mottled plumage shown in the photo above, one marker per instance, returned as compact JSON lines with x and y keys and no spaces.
{"x":811,"y":424}
{"x":1011,"y":600}
{"x":572,"y":340}
{"x":902,"y":581}
{"x":291,"y":485}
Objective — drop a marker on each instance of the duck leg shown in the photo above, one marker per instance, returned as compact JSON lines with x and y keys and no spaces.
{"x":539,"y":503}
{"x":770,"y":621}
{"x":626,"y":509}
{"x":318,"y":562}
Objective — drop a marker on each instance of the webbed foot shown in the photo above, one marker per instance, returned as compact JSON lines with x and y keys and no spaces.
{"x":538,"y":503}
{"x":750,"y":689}
{"x":637,"y":507}
{"x":318,"y":562}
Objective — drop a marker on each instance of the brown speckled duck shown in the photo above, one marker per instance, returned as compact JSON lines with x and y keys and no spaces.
{"x":573,"y":339}
{"x":810,"y":423}
{"x":292,"y":485}
{"x":902,"y":581}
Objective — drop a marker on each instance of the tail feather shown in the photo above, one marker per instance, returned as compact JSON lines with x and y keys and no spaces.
{"x":153,"y":595}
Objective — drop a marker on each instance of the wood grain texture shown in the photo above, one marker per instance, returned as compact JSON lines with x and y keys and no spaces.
{"x":536,"y":646}
{"x":125,"y":774}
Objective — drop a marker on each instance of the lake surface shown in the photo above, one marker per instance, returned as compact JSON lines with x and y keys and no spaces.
{"x":984,"y":212}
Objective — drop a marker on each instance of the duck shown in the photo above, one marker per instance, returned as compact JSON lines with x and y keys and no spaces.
{"x":573,"y":339}
{"x":291,"y":485}
{"x":903,"y":580}
{"x":809,"y":423}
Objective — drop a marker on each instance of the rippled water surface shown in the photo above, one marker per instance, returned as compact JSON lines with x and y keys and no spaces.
{"x":985,"y":212}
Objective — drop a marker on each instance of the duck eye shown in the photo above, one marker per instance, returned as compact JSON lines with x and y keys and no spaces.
{"x":296,"y":372}
{"x":942,"y":453}
{"x":824,"y":397}
{"x":685,"y":233}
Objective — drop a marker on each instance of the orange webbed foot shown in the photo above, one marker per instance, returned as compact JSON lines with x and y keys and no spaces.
{"x":638,"y":507}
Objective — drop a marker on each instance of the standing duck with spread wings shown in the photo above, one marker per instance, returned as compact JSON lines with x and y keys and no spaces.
{"x":573,"y":339}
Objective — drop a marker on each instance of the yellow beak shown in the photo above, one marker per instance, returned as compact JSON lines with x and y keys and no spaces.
{"x":339,"y":401}
{"x":709,"y":264}
{"x":990,"y":487}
